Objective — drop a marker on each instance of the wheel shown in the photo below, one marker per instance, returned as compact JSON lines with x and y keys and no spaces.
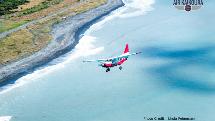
{"x":120,"y":68}
{"x":108,"y":69}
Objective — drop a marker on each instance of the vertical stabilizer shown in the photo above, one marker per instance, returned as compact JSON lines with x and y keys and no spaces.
{"x":126,"y":49}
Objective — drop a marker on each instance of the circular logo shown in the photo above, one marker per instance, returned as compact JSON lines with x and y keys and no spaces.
{"x":188,"y":7}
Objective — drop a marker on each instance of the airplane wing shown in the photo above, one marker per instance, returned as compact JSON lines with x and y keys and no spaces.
{"x":135,"y":53}
{"x":123,"y":56}
{"x":112,"y":59}
{"x":99,"y":60}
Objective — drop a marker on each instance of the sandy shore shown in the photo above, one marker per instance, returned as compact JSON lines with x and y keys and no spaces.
{"x":65,"y":36}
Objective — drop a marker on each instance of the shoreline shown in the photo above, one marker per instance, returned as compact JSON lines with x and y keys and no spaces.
{"x":66,"y":36}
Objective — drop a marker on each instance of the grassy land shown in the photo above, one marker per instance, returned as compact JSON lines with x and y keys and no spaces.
{"x":6,"y":25}
{"x":42,"y":5}
{"x":28,"y":5}
{"x":23,"y":16}
{"x":35,"y":37}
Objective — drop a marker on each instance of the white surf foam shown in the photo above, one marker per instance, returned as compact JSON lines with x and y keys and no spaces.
{"x":85,"y":47}
{"x":136,"y":8}
{"x":132,"y":8}
{"x":5,"y":118}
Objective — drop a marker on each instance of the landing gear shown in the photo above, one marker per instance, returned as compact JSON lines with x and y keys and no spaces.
{"x":108,"y":69}
{"x":120,"y":68}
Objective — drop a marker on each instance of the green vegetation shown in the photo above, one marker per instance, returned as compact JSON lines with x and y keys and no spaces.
{"x":9,"y":24}
{"x":7,"y":5}
{"x":39,"y":7}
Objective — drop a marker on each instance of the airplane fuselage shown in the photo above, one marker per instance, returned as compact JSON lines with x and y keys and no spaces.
{"x":111,"y":64}
{"x":116,"y":61}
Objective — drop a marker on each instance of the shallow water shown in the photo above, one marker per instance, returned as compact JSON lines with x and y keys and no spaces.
{"x":174,"y":76}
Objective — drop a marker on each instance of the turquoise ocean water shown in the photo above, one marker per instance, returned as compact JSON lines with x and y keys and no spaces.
{"x":174,"y":76}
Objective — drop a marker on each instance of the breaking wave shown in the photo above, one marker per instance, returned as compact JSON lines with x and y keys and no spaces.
{"x":136,"y":8}
{"x":132,"y":8}
{"x":5,"y":118}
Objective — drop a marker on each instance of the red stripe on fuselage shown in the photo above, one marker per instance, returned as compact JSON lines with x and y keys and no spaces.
{"x":121,"y":61}
{"x":108,"y":65}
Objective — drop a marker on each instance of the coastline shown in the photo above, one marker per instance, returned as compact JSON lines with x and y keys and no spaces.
{"x":66,"y":36}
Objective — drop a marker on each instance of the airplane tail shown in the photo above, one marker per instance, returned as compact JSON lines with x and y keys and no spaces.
{"x":126,"y":49}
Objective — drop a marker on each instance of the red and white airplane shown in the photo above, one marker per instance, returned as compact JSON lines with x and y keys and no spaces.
{"x":115,"y":61}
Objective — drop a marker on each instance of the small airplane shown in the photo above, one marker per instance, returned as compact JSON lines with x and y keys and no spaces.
{"x":115,"y":61}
